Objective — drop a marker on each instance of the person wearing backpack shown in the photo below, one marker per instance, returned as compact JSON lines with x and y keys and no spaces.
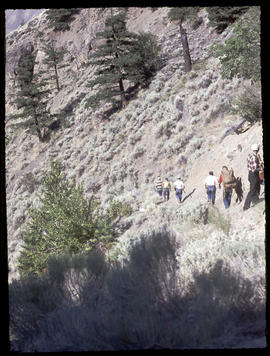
{"x":229,"y":182}
{"x":179,"y":187}
{"x":254,"y":165}
{"x":166,"y":189}
{"x":210,"y":186}
{"x":159,"y":186}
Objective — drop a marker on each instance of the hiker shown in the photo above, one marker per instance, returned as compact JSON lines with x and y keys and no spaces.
{"x":210,"y":185}
{"x":179,"y":187}
{"x":254,"y":165}
{"x":166,"y":189}
{"x":159,"y":186}
{"x":229,"y":182}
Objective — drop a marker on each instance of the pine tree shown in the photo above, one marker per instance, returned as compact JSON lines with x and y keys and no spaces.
{"x":123,"y":56}
{"x":53,"y":59}
{"x":66,"y":222}
{"x":59,"y":19}
{"x":146,"y":58}
{"x":180,"y":14}
{"x":30,"y":97}
{"x":112,"y":58}
{"x":221,"y":17}
{"x":25,"y":68}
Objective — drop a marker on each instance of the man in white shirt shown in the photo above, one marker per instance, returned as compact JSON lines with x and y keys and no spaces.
{"x":210,"y":185}
{"x":179,"y":186}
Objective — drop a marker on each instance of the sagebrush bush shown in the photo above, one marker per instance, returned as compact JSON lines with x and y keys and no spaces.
{"x":132,"y":139}
{"x":153,"y":97}
{"x":179,"y":127}
{"x":194,"y":144}
{"x":248,"y":105}
{"x":28,"y":180}
{"x":137,"y":152}
{"x":219,"y":220}
{"x":18,"y":219}
{"x":118,"y":171}
{"x":85,"y":303}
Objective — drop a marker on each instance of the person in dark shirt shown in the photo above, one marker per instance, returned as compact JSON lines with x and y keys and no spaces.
{"x":254,"y":165}
{"x":159,"y":186}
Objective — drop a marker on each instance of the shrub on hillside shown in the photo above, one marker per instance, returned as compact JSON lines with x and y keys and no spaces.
{"x":137,"y":152}
{"x":216,"y":218}
{"x":248,"y":105}
{"x":29,"y":181}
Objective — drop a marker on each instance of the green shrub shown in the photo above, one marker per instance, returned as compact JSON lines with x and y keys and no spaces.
{"x":65,"y":222}
{"x":200,"y":65}
{"x":240,"y":55}
{"x":117,"y":208}
{"x":193,"y":75}
{"x":248,"y":105}
{"x":28,"y":180}
{"x":216,"y":218}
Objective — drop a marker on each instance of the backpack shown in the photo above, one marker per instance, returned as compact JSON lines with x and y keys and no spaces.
{"x":228,"y":178}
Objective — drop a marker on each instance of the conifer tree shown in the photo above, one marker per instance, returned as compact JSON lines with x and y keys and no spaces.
{"x":180,"y":14}
{"x":145,"y":58}
{"x":221,"y":17}
{"x":31,"y":97}
{"x":123,"y":56}
{"x":66,"y":222}
{"x":59,"y":19}
{"x":112,"y":58}
{"x":53,"y":59}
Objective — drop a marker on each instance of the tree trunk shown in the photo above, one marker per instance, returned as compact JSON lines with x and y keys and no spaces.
{"x":122,"y":93}
{"x":40,"y":136}
{"x":56,"y":77}
{"x":186,"y":52}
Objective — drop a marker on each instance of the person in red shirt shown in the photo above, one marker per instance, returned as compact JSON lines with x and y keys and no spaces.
{"x":227,"y":187}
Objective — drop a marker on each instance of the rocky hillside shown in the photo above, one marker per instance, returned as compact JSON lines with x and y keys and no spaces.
{"x":179,"y":125}
{"x":18,"y":17}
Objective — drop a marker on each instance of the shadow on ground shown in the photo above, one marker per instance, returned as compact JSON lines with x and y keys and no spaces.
{"x":87,"y":303}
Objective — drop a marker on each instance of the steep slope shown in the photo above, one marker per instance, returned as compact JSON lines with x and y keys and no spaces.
{"x":179,"y":125}
{"x":15,"y":18}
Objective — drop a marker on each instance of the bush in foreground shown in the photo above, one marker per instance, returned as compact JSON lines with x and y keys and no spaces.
{"x":85,"y":303}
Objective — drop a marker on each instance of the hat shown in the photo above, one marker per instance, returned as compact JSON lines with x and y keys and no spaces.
{"x":255,"y":147}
